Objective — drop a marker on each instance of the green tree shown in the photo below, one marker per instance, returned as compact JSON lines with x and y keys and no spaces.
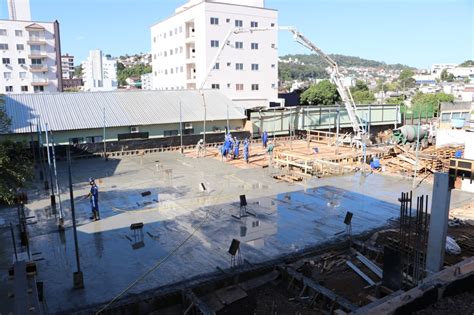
{"x":428,"y":103}
{"x":359,"y":86}
{"x":363,"y":97}
{"x":405,"y":79}
{"x":15,"y":163}
{"x":445,"y":76}
{"x":78,"y":71}
{"x":323,"y":93}
{"x":467,"y":63}
{"x":135,"y":71}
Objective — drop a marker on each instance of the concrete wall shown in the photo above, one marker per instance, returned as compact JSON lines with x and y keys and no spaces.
{"x":320,"y":117}
{"x":111,"y":134}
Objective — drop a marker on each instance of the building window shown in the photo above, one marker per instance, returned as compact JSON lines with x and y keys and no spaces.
{"x":272,"y":25}
{"x":227,"y":20}
{"x":166,"y":71}
{"x":6,"y":61}
{"x":214,"y":21}
{"x":273,"y":46}
{"x":180,"y":29}
{"x":239,"y":66}
{"x":181,"y":69}
{"x":229,"y":64}
{"x":3,"y":46}
{"x":7,"y":75}
{"x":74,"y":141}
{"x":176,"y":50}
{"x":239,"y":45}
{"x":21,"y":61}
{"x":171,"y":52}
{"x":18,"y":33}
{"x":166,"y":54}
{"x":214,"y":43}
{"x":24,"y":88}
{"x":239,"y":23}
{"x":253,"y":24}
{"x":36,"y":61}
{"x":20,"y":47}
{"x":273,"y":85}
{"x":217,"y":66}
{"x":254,"y":46}
{"x":22,"y":75}
{"x":215,"y":86}
{"x":273,"y":65}
{"x":9,"y":88}
{"x":239,"y":87}
{"x":181,"y":49}
{"x":228,"y":85}
{"x":169,"y":133}
{"x":254,"y":87}
{"x":254,"y":66}
{"x":171,"y":71}
{"x":171,"y":33}
{"x":175,"y":31}
{"x":3,"y":32}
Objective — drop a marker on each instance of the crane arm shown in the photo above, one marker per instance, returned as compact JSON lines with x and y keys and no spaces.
{"x":336,"y":77}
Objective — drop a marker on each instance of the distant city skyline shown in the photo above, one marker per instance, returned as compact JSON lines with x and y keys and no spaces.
{"x":417,"y":33}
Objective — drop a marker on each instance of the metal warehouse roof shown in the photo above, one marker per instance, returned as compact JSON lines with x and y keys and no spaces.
{"x":73,"y":111}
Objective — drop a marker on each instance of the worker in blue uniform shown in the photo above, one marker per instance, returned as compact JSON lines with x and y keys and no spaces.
{"x":264,"y":139}
{"x":236,"y":149}
{"x":246,"y":150}
{"x":94,"y":198}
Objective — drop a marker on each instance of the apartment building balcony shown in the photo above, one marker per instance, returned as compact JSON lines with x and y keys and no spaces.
{"x":38,"y":68}
{"x":36,"y":41}
{"x":40,"y":82}
{"x":37,"y":55}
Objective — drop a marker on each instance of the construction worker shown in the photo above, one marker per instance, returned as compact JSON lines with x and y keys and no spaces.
{"x":270,"y":151}
{"x":264,"y":139}
{"x":246,"y":150}
{"x":236,"y":149}
{"x":94,"y":197}
{"x":199,"y":147}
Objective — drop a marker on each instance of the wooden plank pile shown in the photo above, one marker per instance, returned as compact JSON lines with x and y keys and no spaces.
{"x":404,"y":161}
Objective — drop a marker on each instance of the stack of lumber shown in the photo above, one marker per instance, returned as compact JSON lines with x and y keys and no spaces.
{"x":403,"y":160}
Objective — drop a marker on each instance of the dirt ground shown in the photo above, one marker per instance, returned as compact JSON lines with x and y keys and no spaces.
{"x":271,"y":299}
{"x":458,"y":304}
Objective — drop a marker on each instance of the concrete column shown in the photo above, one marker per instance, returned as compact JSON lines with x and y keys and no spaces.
{"x":438,"y":223}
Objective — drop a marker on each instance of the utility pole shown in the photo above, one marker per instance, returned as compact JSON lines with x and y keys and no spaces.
{"x":338,"y":124}
{"x":228,"y":128}
{"x":103,"y":139}
{"x":180,"y":128}
{"x":205,"y":113}
{"x":417,"y":151}
{"x":78,"y":278}
{"x":52,"y":196}
{"x":61,"y":214}
{"x":41,"y":155}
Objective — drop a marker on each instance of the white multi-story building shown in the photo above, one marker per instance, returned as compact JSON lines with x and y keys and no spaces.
{"x":185,"y":45}
{"x":99,"y":72}
{"x":436,"y":69}
{"x":67,"y":65}
{"x":147,"y":81}
{"x":29,"y":52}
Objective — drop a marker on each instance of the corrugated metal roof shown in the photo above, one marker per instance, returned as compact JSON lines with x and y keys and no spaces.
{"x":73,"y":111}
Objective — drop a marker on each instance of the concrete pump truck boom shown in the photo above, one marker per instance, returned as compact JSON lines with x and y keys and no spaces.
{"x":336,"y":77}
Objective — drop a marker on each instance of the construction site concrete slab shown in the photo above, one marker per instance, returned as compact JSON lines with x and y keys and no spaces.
{"x":188,"y":222}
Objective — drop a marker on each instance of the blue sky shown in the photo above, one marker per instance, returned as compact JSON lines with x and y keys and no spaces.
{"x":413,"y":32}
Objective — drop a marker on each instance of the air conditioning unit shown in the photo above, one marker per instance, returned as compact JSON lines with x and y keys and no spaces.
{"x":188,"y":126}
{"x":134,"y":130}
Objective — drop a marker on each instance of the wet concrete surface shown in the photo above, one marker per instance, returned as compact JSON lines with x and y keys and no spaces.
{"x":289,"y":218}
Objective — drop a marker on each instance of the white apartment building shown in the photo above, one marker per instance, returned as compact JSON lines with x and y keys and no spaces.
{"x":436,"y":69}
{"x":185,"y":45}
{"x":147,"y":81}
{"x":67,"y":65}
{"x":28,"y":53}
{"x":99,"y":72}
